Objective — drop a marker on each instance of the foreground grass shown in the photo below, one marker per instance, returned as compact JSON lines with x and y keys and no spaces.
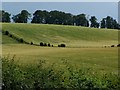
{"x":37,"y":76}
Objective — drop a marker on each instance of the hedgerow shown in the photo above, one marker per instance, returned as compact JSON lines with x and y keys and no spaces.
{"x":37,"y":76}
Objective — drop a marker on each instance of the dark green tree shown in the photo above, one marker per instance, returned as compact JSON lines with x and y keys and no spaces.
{"x":103,"y":23}
{"x":94,"y":22}
{"x":56,"y":17}
{"x":22,"y":17}
{"x":115,"y":24}
{"x":25,"y":16}
{"x":80,"y":20}
{"x":40,"y":17}
{"x":4,"y":16}
{"x":67,"y":19}
{"x":109,"y":22}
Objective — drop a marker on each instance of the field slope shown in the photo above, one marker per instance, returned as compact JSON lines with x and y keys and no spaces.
{"x":72,"y":36}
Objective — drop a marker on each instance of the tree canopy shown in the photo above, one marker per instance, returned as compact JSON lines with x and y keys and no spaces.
{"x":61,"y":18}
{"x":21,"y":17}
{"x":4,"y":16}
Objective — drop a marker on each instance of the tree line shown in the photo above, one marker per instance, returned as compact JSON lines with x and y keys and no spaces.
{"x":59,"y":17}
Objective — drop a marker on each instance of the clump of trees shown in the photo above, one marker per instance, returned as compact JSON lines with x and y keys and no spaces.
{"x":109,"y":23}
{"x":61,"y":18}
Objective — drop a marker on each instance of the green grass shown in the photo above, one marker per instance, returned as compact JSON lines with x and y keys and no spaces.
{"x":8,"y":40}
{"x":73,"y":36}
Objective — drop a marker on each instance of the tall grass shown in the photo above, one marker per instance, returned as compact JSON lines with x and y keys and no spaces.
{"x":38,"y":76}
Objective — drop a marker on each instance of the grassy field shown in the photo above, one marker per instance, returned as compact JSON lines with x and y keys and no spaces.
{"x":85,"y":49}
{"x":85,"y":46}
{"x":72,"y":36}
{"x":102,"y":60}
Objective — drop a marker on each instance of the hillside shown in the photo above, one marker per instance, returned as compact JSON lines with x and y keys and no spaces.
{"x":72,"y":36}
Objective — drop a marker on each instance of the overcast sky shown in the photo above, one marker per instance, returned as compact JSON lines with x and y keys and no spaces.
{"x":98,"y":9}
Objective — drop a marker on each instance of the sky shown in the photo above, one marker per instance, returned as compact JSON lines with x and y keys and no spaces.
{"x":98,"y":9}
{"x":60,"y":0}
{"x":119,"y":12}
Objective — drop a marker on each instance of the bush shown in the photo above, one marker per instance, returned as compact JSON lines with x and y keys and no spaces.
{"x":26,"y":42}
{"x":58,"y":45}
{"x":20,"y":77}
{"x":105,"y":46}
{"x":10,"y":35}
{"x":118,"y":45}
{"x":6,"y":32}
{"x":45,"y":44}
{"x":21,"y":40}
{"x":112,"y":45}
{"x":61,"y":45}
{"x":41,"y":43}
{"x":52,"y":45}
{"x":48,"y":44}
{"x":31,"y":43}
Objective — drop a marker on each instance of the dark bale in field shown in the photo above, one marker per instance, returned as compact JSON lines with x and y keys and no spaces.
{"x":112,"y":45}
{"x":41,"y":43}
{"x":118,"y":45}
{"x":48,"y":44}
